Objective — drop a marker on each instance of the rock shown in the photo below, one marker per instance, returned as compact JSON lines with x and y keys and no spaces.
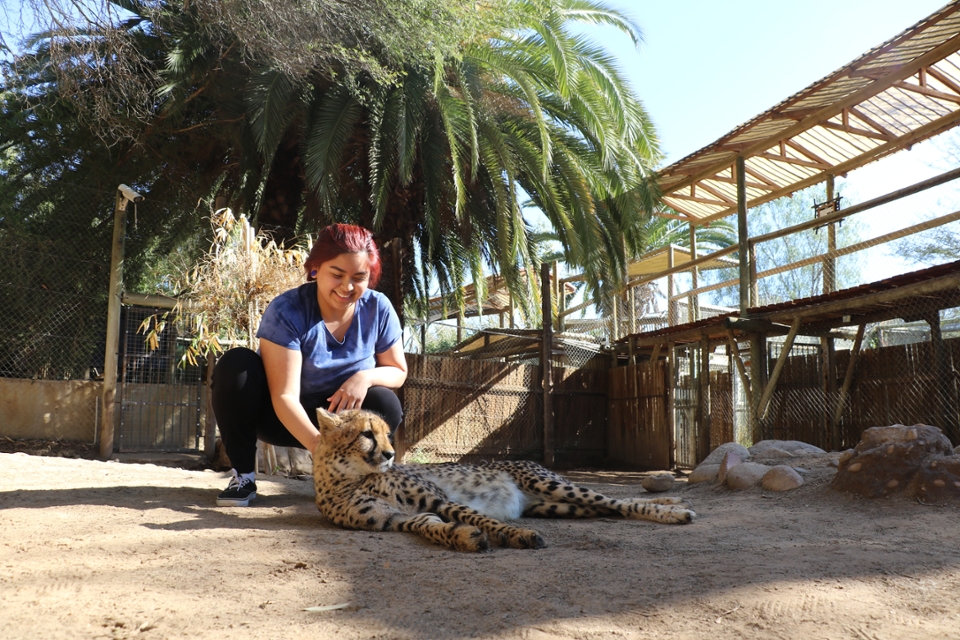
{"x":746,"y":474}
{"x":938,"y":480}
{"x":956,"y":450}
{"x":703,"y":473}
{"x":773,"y":453}
{"x":716,"y":456}
{"x":887,"y":459}
{"x":658,"y":483}
{"x":781,"y":478}
{"x":730,"y":460}
{"x":793,"y":447}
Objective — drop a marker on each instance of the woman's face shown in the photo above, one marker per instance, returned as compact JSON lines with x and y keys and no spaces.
{"x":341,"y":281}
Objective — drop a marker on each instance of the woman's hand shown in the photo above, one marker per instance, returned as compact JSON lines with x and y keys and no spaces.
{"x":351,"y":393}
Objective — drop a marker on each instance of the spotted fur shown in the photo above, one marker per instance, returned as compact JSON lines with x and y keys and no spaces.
{"x":459,"y":506}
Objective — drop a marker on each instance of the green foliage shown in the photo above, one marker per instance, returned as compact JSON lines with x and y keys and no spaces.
{"x":425,"y":121}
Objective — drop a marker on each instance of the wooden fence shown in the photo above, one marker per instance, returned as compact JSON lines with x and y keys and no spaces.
{"x":461,"y":409}
{"x":891,"y":385}
{"x":639,"y":427}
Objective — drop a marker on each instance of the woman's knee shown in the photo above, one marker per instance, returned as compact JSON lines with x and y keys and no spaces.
{"x":385,"y":402}
{"x":238,"y":370}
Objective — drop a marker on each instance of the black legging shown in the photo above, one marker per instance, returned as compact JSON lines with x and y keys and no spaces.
{"x":241,"y":402}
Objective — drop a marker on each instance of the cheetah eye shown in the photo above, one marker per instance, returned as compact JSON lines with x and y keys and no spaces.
{"x":368,"y":434}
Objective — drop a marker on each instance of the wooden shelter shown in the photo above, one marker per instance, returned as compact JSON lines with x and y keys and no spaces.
{"x":892,"y":97}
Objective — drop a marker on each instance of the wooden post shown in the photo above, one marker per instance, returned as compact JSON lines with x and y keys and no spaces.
{"x":694,"y":301}
{"x":546,"y":360}
{"x":830,"y":263}
{"x":111,"y":351}
{"x":777,"y":368}
{"x":210,"y":419}
{"x":671,"y":402}
{"x":944,"y":385}
{"x":671,"y":304}
{"x":738,"y":360}
{"x":703,"y":410}
{"x":743,"y":236}
{"x":845,"y":389}
{"x":758,"y":378}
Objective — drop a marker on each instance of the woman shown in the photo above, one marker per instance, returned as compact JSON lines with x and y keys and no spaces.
{"x":331,"y":342}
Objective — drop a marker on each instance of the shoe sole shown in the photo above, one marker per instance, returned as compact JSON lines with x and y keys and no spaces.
{"x":235,"y":502}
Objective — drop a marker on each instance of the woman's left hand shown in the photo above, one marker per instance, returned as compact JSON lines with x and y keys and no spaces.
{"x":351,"y":393}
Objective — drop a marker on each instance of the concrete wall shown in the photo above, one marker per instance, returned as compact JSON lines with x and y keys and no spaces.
{"x":50,"y":409}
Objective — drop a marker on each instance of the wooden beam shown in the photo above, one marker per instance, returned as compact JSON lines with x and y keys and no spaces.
{"x":845,"y":388}
{"x":857,"y":131}
{"x":813,"y":157}
{"x":743,"y":235}
{"x":927,"y":91}
{"x":921,"y":133}
{"x":778,"y":367}
{"x":864,"y":117}
{"x":655,"y":355}
{"x":944,"y":79}
{"x":796,"y":161}
{"x":741,"y":369}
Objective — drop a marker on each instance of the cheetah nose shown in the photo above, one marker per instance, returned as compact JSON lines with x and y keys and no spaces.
{"x":387,"y":455}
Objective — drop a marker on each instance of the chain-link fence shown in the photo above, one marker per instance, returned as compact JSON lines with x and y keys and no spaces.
{"x":54,"y":270}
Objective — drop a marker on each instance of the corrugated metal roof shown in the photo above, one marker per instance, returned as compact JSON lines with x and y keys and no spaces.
{"x":893,"y":96}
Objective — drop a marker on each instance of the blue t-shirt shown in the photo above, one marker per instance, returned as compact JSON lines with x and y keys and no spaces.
{"x":293,"y":320}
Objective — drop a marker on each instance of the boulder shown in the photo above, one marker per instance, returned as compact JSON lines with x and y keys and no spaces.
{"x":773,"y":453}
{"x":703,"y":473}
{"x":938,"y":480}
{"x":730,"y":460}
{"x":745,"y":475}
{"x":793,"y":447}
{"x":716,"y":456}
{"x":781,"y":478}
{"x":658,"y":483}
{"x":887,"y":459}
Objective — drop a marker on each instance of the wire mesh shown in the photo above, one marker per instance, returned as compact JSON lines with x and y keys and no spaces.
{"x":162,"y":398}
{"x":54,"y":270}
{"x":475,"y":391}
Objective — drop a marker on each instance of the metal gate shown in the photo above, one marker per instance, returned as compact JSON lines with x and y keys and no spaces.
{"x":161,"y":400}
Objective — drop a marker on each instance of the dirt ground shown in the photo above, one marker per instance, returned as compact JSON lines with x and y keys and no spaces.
{"x":93,"y":549}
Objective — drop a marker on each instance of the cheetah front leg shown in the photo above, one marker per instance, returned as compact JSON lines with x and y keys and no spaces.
{"x":373,"y":514}
{"x":507,"y":535}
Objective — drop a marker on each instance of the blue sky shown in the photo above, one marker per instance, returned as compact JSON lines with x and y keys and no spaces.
{"x":707,"y":67}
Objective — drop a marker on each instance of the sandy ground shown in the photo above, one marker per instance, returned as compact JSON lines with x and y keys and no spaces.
{"x":93,"y":549}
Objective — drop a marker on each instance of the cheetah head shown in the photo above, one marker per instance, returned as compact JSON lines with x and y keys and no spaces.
{"x":355,"y":442}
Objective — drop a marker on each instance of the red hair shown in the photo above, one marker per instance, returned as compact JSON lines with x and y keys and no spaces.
{"x":338,"y":239}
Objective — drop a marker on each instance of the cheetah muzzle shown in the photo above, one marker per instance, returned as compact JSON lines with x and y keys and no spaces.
{"x":458,"y":506}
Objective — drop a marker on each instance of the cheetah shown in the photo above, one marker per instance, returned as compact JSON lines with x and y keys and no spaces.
{"x":358,"y":486}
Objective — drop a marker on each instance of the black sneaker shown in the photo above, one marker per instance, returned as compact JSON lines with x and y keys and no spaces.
{"x":238,"y":493}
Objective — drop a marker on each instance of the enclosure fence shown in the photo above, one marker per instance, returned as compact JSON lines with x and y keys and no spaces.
{"x":54,"y":268}
{"x":482,"y":398}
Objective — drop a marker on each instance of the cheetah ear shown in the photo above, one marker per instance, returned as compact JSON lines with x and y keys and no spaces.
{"x":327,"y":421}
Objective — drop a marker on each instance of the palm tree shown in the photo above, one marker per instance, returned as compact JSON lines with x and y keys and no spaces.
{"x":436,"y":158}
